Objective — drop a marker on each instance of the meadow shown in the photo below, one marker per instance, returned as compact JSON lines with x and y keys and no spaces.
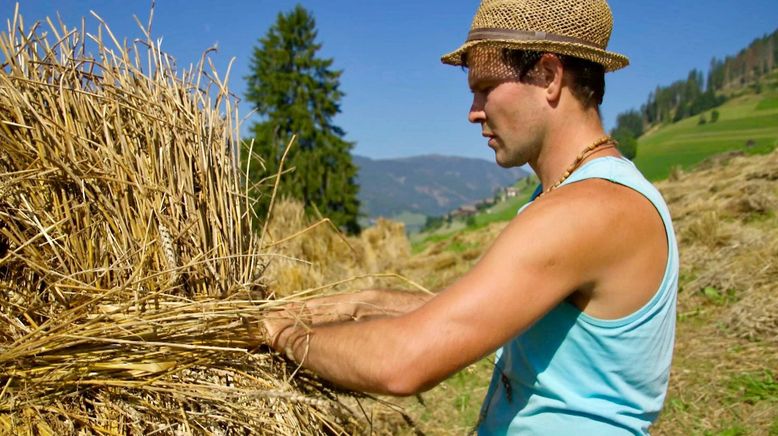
{"x":747,"y":122}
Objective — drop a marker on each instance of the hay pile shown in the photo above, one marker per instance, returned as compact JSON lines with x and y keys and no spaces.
{"x":726,"y":219}
{"x":325,"y":258}
{"x":723,"y":376}
{"x":130,"y":276}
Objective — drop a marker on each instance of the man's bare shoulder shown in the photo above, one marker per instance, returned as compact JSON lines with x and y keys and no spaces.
{"x":591,"y":227}
{"x":607,"y":234}
{"x":568,"y":232}
{"x":596,"y":203}
{"x":578,"y":212}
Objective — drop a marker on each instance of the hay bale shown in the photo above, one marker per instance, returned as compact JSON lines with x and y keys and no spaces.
{"x":385,"y":244}
{"x":315,"y":254}
{"x":308,"y":253}
{"x":130,"y":276}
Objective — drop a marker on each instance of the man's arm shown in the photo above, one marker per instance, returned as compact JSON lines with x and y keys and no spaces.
{"x":360,"y":306}
{"x":543,"y":255}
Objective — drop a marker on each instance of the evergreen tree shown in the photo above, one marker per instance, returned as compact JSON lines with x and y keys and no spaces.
{"x":716,"y":75}
{"x":627,"y":143}
{"x":629,"y":126}
{"x":632,"y":121}
{"x":297,"y":93}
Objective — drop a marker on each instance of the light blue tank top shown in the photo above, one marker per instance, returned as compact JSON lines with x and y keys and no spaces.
{"x":573,"y":374}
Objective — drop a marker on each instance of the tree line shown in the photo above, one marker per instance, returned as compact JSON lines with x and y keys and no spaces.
{"x":697,"y":93}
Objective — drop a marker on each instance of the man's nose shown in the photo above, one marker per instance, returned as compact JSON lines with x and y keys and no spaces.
{"x":476,"y":114}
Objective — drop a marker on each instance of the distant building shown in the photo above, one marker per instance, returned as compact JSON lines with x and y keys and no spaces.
{"x":464,"y":211}
{"x":508,"y":192}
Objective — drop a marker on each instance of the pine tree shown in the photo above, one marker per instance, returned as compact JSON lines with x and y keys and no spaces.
{"x":297,"y":93}
{"x":632,"y":121}
{"x":627,"y":143}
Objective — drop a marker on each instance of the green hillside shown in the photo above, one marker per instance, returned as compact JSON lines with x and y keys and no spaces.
{"x":500,"y":212}
{"x":748,"y":118}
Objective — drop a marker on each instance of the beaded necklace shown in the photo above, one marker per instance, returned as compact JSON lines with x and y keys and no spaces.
{"x":581,"y":156}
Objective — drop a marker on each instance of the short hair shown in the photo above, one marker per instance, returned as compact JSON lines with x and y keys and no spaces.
{"x":588,"y":78}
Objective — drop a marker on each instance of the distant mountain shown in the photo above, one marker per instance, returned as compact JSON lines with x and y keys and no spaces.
{"x":430,"y":185}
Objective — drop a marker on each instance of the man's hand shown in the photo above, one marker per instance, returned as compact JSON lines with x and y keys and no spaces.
{"x":278,"y":326}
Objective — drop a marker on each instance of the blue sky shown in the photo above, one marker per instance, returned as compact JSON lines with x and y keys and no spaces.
{"x":400,"y":100}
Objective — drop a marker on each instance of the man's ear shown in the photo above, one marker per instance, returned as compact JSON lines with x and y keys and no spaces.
{"x":551,"y":73}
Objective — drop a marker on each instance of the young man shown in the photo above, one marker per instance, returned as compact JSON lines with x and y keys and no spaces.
{"x":578,"y":292}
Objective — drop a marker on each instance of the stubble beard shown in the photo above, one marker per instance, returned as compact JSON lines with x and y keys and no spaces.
{"x":516,"y":160}
{"x":506,"y":157}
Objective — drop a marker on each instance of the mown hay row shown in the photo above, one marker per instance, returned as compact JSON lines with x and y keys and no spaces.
{"x":726,"y":217}
{"x":131,"y":280}
{"x":727,"y":335}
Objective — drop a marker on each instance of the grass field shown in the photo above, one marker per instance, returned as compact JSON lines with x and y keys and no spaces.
{"x":499,"y":213}
{"x":746,"y":118}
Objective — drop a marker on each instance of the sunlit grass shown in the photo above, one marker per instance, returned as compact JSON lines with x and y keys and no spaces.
{"x":747,"y":123}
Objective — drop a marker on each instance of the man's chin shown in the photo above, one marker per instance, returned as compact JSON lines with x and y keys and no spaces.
{"x":505,"y":163}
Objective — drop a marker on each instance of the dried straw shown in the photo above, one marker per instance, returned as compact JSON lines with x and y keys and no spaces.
{"x":725,"y":214}
{"x":327,"y":260}
{"x":129,"y":269}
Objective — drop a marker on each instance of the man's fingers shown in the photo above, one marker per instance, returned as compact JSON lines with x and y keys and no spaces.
{"x":303,"y":315}
{"x":272,"y":328}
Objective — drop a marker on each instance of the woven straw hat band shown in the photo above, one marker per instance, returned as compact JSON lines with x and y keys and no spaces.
{"x":580,"y":28}
{"x":506,"y":34}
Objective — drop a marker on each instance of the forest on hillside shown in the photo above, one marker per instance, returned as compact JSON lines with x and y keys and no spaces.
{"x":698,"y":93}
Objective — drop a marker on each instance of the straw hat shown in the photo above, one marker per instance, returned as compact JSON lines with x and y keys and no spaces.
{"x":579,"y":28}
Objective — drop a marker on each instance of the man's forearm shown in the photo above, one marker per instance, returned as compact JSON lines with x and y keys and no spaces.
{"x":386,"y":302}
{"x":359,"y":306}
{"x":347,"y":337}
{"x":361,"y":355}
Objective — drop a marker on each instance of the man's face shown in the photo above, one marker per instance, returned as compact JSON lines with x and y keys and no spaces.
{"x":510,"y":110}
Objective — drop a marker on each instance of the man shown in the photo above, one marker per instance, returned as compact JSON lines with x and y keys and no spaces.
{"x":578,"y":292}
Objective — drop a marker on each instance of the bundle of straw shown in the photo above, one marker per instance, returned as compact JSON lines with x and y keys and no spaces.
{"x":129,"y":269}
